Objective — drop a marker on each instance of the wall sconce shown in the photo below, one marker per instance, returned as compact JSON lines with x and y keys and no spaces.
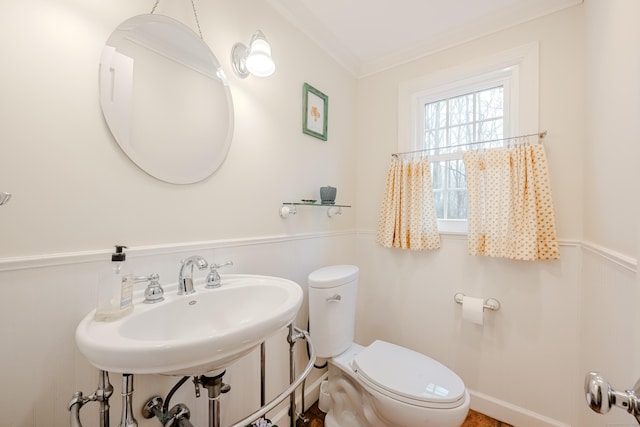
{"x":255,"y":59}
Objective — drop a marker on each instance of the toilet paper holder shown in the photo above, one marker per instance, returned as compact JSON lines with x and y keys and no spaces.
{"x":489,"y":303}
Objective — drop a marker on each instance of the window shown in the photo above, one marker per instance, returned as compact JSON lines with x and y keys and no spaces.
{"x":448,"y":126}
{"x":444,"y":113}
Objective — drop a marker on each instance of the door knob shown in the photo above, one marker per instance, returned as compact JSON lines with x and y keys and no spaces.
{"x":601,"y":397}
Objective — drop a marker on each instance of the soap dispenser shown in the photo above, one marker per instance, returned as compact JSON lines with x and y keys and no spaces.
{"x":115,"y":290}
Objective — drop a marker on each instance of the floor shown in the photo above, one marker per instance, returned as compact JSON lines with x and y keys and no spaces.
{"x":475,"y":419}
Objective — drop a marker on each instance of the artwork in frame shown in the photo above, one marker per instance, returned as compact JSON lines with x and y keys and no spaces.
{"x":315,"y":107}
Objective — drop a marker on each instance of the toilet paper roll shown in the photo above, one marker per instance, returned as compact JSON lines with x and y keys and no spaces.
{"x":473,"y":309}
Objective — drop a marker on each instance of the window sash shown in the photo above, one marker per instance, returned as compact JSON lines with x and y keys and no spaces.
{"x":444,"y":119}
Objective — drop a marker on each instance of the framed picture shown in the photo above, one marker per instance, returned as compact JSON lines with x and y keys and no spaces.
{"x":315,"y":107}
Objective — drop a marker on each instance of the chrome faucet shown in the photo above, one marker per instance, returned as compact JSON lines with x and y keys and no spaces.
{"x":185,"y":279}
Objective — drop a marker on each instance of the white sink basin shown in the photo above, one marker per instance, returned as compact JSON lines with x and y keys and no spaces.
{"x":192,"y":334}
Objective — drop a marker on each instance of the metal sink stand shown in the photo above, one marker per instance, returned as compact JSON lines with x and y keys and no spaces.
{"x":214,"y":385}
{"x":294,"y":335}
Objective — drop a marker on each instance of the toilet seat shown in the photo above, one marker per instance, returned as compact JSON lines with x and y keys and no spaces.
{"x":408,"y":376}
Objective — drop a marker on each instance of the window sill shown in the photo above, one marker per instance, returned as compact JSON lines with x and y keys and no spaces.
{"x":452,"y":226}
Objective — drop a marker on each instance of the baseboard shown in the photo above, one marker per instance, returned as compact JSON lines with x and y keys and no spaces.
{"x":480,"y":402}
{"x":509,"y":413}
{"x":311,"y":395}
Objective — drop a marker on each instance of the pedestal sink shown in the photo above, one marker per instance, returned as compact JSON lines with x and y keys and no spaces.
{"x":192,"y":334}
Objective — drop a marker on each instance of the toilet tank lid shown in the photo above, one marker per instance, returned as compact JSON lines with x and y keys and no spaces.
{"x":332,"y":276}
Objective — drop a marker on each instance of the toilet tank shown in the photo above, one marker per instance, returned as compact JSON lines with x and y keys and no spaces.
{"x":332,"y":308}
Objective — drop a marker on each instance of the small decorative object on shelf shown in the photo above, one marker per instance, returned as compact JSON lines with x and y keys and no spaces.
{"x":328,"y":195}
{"x":262,"y":422}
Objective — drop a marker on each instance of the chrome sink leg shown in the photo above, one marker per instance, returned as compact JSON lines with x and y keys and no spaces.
{"x":102,"y":395}
{"x":74,"y":408}
{"x":292,"y":337}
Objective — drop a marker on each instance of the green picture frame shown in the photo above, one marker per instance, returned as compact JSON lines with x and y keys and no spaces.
{"x":315,"y":112}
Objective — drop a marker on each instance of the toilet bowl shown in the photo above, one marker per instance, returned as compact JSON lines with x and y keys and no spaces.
{"x":382,"y":384}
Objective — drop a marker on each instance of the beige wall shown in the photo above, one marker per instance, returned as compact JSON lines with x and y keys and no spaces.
{"x":75,"y":194}
{"x":609,"y":292}
{"x":562,"y":99}
{"x":574,"y":315}
{"x":611,"y":204}
{"x":509,"y":364}
{"x":75,"y":190}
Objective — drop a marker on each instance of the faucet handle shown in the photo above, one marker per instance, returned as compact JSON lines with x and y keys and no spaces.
{"x":213,"y":278}
{"x":154,"y":292}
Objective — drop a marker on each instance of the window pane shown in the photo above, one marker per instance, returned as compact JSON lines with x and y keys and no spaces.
{"x":456,"y":174}
{"x":453,"y":125}
{"x":456,"y":204}
{"x":435,"y":115}
{"x":435,"y":139}
{"x":439,"y":202}
{"x":490,"y":131}
{"x":490,"y":103}
{"x":461,"y":109}
{"x":437,"y":175}
{"x":460,"y":135}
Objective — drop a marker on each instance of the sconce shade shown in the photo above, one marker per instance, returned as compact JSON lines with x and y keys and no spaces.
{"x":255,"y":59}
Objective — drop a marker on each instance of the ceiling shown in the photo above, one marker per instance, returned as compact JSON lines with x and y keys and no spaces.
{"x":368,"y":36}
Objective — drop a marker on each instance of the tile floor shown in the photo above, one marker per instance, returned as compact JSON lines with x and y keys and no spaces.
{"x":474,"y":419}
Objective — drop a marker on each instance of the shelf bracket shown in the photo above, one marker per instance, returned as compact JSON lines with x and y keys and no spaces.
{"x":285,"y":211}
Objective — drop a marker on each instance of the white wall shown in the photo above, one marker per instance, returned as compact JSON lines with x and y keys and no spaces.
{"x":75,"y":193}
{"x":611,"y":204}
{"x":609,"y":331}
{"x":558,"y":320}
{"x":44,"y":298}
{"x":70,"y":182}
{"x":74,"y":189}
{"x":510,"y":361}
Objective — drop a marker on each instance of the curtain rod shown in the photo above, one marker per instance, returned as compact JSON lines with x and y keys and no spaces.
{"x":540,"y":135}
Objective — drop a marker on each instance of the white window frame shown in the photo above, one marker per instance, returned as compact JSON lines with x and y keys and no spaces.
{"x":517,"y":68}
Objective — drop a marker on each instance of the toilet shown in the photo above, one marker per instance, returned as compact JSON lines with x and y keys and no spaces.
{"x":382,"y":384}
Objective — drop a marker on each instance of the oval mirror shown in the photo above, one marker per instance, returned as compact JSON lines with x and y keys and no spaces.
{"x":165,"y":99}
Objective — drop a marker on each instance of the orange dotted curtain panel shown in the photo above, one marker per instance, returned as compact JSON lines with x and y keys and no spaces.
{"x":408,"y":214}
{"x":510,"y":208}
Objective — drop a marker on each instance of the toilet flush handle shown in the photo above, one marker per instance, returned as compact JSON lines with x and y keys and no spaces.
{"x":334,"y":298}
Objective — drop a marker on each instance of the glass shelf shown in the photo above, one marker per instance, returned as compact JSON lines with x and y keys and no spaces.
{"x":289,"y":208}
{"x":324,"y":205}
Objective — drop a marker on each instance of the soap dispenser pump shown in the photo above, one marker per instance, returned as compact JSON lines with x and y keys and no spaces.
{"x":115,"y":290}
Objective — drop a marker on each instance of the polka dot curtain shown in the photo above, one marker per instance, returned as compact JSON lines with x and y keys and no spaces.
{"x":510,"y":208}
{"x":408,"y":214}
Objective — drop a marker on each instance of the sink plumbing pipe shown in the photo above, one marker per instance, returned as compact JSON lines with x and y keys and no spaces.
{"x":127,"y":419}
{"x":102,"y":395}
{"x":215,"y":387}
{"x":178,"y":416}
